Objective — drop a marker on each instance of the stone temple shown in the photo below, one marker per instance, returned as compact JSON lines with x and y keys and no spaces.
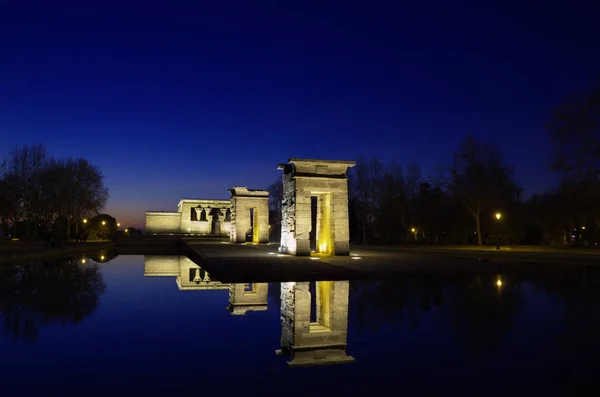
{"x":315,"y":207}
{"x":193,"y":216}
{"x":245,"y":216}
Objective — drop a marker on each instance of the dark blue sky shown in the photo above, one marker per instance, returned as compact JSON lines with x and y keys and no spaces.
{"x":188,"y":98}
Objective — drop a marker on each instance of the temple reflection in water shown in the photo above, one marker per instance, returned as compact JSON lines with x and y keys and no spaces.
{"x":314,"y":322}
{"x":189,"y":276}
{"x":245,"y":297}
{"x":314,"y":315}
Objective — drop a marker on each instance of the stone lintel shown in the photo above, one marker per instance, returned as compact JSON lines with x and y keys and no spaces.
{"x":242,"y":191}
{"x":257,"y":303}
{"x":196,"y":202}
{"x":304,"y":348}
{"x":318,"y":161}
{"x":320,"y":176}
{"x":301,"y":362}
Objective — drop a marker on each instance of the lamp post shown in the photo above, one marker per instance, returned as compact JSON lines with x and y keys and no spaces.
{"x":414,"y":231}
{"x":498,"y":216}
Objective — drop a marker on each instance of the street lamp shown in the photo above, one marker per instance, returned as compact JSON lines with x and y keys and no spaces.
{"x":118,"y":225}
{"x":103,"y":223}
{"x":414,"y":231}
{"x":498,"y":216}
{"x":84,"y":220}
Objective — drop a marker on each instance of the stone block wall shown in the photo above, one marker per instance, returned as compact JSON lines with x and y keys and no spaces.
{"x":288,"y":214}
{"x":242,"y":200}
{"x":327,"y":180}
{"x":189,"y":226}
{"x":162,"y":222}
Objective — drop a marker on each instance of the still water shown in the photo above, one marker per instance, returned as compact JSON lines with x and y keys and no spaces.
{"x":161,"y":326}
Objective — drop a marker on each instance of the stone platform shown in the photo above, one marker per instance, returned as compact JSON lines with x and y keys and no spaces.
{"x":231,"y":263}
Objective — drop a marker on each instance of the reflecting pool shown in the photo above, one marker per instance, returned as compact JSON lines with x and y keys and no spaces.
{"x":161,"y":325}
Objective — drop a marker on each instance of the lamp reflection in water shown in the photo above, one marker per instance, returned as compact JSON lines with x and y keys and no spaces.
{"x":314,"y":336}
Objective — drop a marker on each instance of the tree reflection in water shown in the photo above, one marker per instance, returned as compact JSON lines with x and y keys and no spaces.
{"x":35,"y":295}
{"x":475,"y":308}
{"x":480,"y":311}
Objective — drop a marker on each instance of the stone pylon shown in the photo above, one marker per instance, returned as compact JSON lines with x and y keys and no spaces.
{"x":315,"y":203}
{"x":249,"y":213}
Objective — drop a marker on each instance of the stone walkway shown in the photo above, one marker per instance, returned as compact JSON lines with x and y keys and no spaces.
{"x":263,"y":263}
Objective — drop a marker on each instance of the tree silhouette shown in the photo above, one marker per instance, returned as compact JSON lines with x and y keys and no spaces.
{"x":35,"y":295}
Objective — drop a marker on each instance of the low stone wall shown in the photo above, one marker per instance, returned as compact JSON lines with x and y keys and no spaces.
{"x":163,"y":222}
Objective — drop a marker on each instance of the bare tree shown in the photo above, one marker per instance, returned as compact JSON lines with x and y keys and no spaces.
{"x":575,"y":132}
{"x":480,"y":179}
{"x":365,"y":186}
{"x":275,"y":203}
{"x":76,"y":189}
{"x":21,"y":172}
{"x":275,"y":195}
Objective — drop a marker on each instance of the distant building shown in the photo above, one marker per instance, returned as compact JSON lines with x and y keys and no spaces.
{"x":193,"y":216}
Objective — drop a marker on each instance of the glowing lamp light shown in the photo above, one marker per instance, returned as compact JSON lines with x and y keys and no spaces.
{"x":103,"y":223}
{"x":499,"y":283}
{"x":102,"y":257}
{"x":118,"y":225}
{"x":413,"y":230}
{"x":84,"y":220}
{"x":498,"y":215}
{"x":83,"y":261}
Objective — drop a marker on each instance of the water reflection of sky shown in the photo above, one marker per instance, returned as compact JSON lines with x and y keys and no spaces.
{"x":145,"y":336}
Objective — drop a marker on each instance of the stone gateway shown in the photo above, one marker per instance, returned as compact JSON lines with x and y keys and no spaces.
{"x":249,"y":215}
{"x":315,"y":207}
